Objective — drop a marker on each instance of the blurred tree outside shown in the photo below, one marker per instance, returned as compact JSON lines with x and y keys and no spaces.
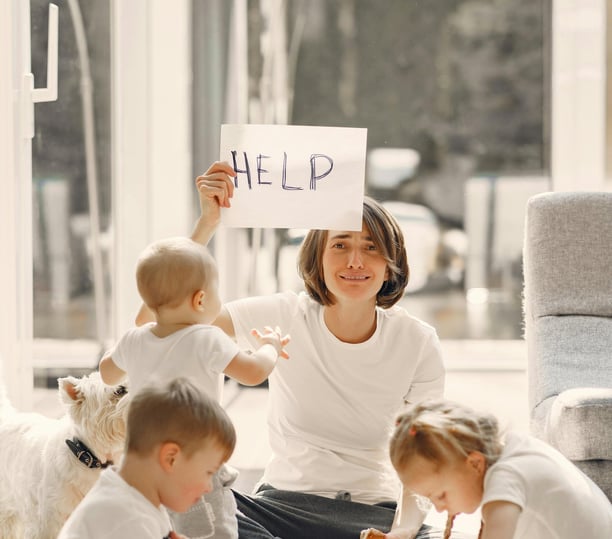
{"x":463,"y":82}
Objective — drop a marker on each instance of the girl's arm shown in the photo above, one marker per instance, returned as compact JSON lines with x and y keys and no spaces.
{"x":499,"y":520}
{"x":409,"y":516}
{"x":408,"y":519}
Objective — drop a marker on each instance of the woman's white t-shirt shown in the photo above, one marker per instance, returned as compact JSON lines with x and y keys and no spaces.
{"x":332,"y":405}
{"x":557,"y":500}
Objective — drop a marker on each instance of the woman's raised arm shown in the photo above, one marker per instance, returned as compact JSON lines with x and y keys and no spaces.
{"x":215,"y":188}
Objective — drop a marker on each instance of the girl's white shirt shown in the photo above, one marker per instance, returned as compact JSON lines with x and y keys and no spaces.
{"x":557,"y":500}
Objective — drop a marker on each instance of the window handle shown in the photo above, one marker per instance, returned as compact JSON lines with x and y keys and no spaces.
{"x":40,"y":95}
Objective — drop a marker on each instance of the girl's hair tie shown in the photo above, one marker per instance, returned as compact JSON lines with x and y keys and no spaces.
{"x":412,"y":431}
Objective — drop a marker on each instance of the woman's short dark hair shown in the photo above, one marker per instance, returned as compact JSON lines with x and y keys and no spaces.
{"x":388,"y":238}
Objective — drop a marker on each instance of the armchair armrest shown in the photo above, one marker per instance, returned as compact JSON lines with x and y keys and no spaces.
{"x":580,"y":423}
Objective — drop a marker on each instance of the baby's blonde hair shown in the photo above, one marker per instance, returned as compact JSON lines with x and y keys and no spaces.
{"x":170,"y":270}
{"x":443,"y":432}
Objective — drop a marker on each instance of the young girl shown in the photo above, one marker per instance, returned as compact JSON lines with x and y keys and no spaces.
{"x":457,"y":458}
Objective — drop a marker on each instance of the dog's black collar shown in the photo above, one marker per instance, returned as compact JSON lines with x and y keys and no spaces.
{"x":84,"y":454}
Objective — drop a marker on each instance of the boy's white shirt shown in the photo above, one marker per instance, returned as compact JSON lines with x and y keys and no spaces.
{"x":111,"y":509}
{"x":199,"y":352}
{"x":557,"y":500}
{"x":332,"y":405}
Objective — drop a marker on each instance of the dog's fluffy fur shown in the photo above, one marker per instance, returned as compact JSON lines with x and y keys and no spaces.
{"x":41,"y":481}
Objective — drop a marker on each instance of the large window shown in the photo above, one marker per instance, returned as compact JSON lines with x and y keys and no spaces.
{"x":71,"y":175}
{"x":455,"y":98}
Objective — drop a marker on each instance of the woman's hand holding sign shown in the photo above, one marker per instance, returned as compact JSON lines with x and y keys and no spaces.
{"x":215,"y":188}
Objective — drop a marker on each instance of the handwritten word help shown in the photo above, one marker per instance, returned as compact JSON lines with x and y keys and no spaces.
{"x":320,"y":166}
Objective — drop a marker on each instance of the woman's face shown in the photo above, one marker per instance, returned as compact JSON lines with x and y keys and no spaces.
{"x":354,"y":269}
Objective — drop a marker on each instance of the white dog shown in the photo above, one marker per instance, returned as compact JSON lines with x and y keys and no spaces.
{"x":48,"y":465}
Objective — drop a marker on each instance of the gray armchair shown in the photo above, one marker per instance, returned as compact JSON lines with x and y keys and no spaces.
{"x":568,"y":326}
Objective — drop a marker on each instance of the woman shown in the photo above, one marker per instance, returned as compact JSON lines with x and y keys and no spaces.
{"x":356,"y":358}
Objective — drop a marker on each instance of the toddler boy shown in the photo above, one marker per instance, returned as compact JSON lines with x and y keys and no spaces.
{"x":176,"y":439}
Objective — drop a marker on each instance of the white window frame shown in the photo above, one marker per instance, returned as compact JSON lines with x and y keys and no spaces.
{"x":15,"y":204}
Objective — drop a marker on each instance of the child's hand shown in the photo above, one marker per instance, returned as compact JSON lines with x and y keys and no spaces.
{"x":215,"y":188}
{"x":371,"y":533}
{"x":174,"y":535}
{"x":273,"y":337}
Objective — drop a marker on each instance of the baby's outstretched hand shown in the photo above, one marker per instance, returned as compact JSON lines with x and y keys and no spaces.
{"x":273,"y":337}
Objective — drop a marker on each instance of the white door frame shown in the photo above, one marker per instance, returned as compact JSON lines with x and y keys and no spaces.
{"x":15,"y":204}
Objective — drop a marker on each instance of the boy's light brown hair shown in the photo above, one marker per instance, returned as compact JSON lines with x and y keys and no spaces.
{"x":177,"y":412}
{"x":171,"y":270}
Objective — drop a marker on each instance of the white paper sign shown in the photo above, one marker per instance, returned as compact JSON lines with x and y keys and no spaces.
{"x":292,"y":176}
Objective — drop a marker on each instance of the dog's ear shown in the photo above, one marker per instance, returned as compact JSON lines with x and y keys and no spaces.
{"x":69,"y":390}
